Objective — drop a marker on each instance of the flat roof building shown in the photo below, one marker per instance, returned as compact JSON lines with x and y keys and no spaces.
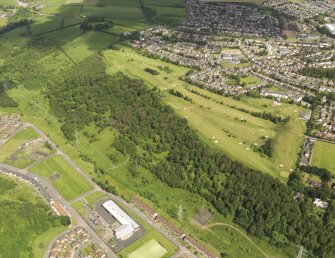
{"x":128,"y":225}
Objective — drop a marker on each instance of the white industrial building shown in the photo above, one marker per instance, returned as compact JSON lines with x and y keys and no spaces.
{"x":330,"y":27}
{"x":128,"y":225}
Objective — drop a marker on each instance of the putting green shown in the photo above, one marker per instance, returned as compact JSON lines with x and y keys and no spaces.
{"x":151,"y":249}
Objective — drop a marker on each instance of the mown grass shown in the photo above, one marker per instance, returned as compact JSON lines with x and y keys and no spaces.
{"x":324,"y":156}
{"x":70,"y":184}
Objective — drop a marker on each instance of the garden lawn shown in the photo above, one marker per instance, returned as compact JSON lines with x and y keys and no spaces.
{"x":70,"y":184}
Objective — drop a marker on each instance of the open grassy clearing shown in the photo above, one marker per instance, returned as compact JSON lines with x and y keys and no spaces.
{"x":152,"y":244}
{"x":98,"y":144}
{"x":24,"y":135}
{"x":87,"y":44}
{"x":220,"y":125}
{"x":56,"y":61}
{"x":69,"y":183}
{"x":324,"y":156}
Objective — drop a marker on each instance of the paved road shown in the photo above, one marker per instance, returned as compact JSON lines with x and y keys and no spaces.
{"x":95,"y":187}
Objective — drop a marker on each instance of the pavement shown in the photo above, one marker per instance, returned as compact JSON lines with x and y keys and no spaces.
{"x":79,"y":220}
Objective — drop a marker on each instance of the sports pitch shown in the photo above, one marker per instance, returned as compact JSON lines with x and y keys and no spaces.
{"x":151,"y":249}
{"x":324,"y":155}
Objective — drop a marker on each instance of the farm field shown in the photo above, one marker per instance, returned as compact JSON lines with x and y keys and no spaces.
{"x":323,"y":156}
{"x":114,"y":12}
{"x":24,"y":135}
{"x":25,"y":221}
{"x":62,"y":10}
{"x":8,"y":3}
{"x":87,"y":44}
{"x":218,"y":120}
{"x":68,"y":182}
{"x":44,"y":24}
{"x":126,"y":3}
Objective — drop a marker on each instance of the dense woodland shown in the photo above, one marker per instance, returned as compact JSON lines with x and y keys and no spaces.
{"x":23,"y":216}
{"x":261,"y":204}
{"x":319,"y":72}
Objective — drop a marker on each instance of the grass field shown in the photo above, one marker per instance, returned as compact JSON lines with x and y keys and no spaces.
{"x":151,"y":245}
{"x":221,"y":125}
{"x":24,"y":135}
{"x":324,"y":156}
{"x":70,"y":184}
